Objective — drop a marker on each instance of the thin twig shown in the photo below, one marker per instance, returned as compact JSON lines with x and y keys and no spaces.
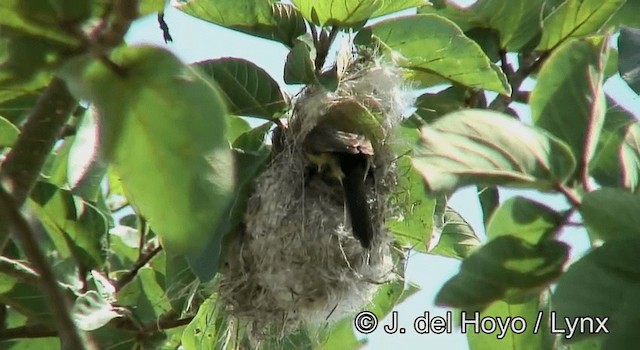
{"x":12,"y":221}
{"x":571,"y":196}
{"x":131,"y":274}
{"x":166,"y":324}
{"x":19,"y":271}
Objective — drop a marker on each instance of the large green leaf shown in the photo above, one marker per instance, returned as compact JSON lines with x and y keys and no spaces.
{"x":603,"y":284}
{"x":629,"y":58}
{"x":267,"y":19}
{"x":350,"y":13}
{"x":576,"y":18}
{"x":529,"y":334}
{"x":249,"y":90}
{"x":388,"y":7}
{"x":517,"y":22}
{"x":627,"y":15}
{"x":250,"y":155}
{"x":525,"y":219}
{"x":432,"y":45}
{"x":568,"y":99}
{"x":611,"y":213}
{"x":505,"y":268}
{"x":163,"y":126}
{"x":478,"y":146}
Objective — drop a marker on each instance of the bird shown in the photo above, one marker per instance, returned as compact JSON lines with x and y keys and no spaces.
{"x":346,"y":157}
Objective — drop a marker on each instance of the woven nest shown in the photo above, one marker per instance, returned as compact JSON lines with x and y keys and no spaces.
{"x":297,"y":262}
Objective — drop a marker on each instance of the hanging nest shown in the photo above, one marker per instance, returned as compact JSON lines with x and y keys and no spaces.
{"x":297,"y":262}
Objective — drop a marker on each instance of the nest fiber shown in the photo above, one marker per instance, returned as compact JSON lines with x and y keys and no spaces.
{"x":297,"y":261}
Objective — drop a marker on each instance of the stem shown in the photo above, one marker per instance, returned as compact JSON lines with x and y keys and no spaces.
{"x":34,"y":331}
{"x":571,"y":196}
{"x":131,"y":274}
{"x":12,"y":220}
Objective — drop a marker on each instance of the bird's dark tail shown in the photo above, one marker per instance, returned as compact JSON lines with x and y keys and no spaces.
{"x":355,"y":169}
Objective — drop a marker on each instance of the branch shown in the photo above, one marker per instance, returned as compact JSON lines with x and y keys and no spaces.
{"x":12,"y":221}
{"x":143,"y":259}
{"x":37,"y":138}
{"x":34,"y":331}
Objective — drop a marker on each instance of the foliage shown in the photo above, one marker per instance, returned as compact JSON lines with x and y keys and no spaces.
{"x":137,"y":175}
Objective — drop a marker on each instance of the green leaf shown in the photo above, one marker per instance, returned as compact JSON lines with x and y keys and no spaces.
{"x":629,"y":57}
{"x":520,"y":316}
{"x":50,"y":343}
{"x":457,"y":239}
{"x":505,"y":268}
{"x":163,"y":127}
{"x":568,"y":99}
{"x":16,"y":104}
{"x":576,"y":18}
{"x":603,"y":284}
{"x":344,"y":14}
{"x":388,"y":7}
{"x":611,"y":213}
{"x":151,"y":6}
{"x":630,"y":157}
{"x":351,"y":13}
{"x":606,"y":165}
{"x":207,"y":330}
{"x":35,"y":18}
{"x":250,"y":155}
{"x":146,"y":296}
{"x":431,"y":106}
{"x":517,"y":22}
{"x":26,"y":64}
{"x":265,"y":18}
{"x":90,"y":311}
{"x":76,"y":227}
{"x":341,"y":336}
{"x":237,"y":126}
{"x":627,"y":15}
{"x":525,"y":219}
{"x":430,"y":44}
{"x":299,"y":67}
{"x":484,"y":147}
{"x":29,"y":301}
{"x":413,"y":225}
{"x":8,"y":133}
{"x":248,"y":89}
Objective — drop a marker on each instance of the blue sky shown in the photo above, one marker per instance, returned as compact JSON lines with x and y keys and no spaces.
{"x":196,"y":40}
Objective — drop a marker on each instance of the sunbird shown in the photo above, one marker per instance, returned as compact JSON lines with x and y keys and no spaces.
{"x":347,"y":158}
